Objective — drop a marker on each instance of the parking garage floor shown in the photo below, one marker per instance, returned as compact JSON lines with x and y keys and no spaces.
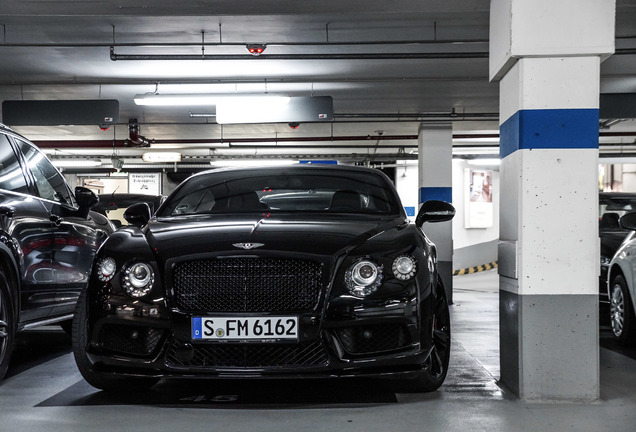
{"x":44,"y":391}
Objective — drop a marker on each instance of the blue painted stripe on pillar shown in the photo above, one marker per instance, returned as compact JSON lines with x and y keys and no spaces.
{"x":549,"y":129}
{"x":436,"y":193}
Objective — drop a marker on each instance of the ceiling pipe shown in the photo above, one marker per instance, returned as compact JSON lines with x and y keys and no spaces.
{"x":414,"y":116}
{"x":348,"y":56}
{"x":393,"y":117}
{"x":618,"y":51}
{"x":136,"y":140}
{"x":236,"y":142}
{"x":423,"y":42}
{"x":384,"y":159}
{"x":243,"y":44}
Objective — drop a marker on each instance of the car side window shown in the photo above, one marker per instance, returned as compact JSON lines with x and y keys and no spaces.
{"x":11,"y":176}
{"x":49,"y":182}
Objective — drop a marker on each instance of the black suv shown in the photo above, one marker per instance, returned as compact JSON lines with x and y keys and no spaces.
{"x":48,"y":238}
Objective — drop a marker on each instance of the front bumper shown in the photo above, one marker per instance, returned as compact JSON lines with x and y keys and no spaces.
{"x":382,"y":338}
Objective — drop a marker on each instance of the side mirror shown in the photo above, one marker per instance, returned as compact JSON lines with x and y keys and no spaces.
{"x":86,"y":199}
{"x":434,"y":211}
{"x":138,"y":214}
{"x":628,"y":221}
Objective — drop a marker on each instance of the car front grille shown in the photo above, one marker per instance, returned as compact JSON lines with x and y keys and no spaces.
{"x":252,"y":356}
{"x":247,"y":285}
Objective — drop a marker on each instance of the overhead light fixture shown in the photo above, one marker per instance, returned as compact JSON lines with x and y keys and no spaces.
{"x":475,"y":150}
{"x":484,"y":162}
{"x":161,"y":157}
{"x":272,"y":109}
{"x":79,"y":163}
{"x":252,"y":103}
{"x":252,"y":162}
{"x":155,"y":99}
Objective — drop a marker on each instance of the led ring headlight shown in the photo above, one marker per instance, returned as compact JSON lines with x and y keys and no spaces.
{"x":404,"y":267}
{"x":138,"y":279}
{"x":106,"y":268}
{"x":363,"y":278}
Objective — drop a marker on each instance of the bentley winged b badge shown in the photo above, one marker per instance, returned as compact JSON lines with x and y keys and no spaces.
{"x":248,"y":246}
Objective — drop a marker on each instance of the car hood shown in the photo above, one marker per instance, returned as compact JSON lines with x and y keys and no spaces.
{"x":191,"y":235}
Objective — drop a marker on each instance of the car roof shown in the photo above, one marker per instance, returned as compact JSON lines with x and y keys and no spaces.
{"x":298,"y":167}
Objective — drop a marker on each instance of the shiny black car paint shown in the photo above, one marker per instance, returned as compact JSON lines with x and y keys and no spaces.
{"x":337,"y":321}
{"x":46,"y":246}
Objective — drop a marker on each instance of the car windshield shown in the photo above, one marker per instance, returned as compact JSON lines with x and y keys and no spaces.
{"x":285,"y":190}
{"x":613,"y":205}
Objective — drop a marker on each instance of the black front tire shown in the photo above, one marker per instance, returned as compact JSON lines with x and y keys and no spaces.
{"x":436,"y":366}
{"x":7,"y":326}
{"x":99,"y":380}
{"x":622,"y":312}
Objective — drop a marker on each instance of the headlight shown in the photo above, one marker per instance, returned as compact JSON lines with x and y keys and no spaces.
{"x":138,"y":279}
{"x":404,"y":267}
{"x":363,"y":278}
{"x":106,"y":268}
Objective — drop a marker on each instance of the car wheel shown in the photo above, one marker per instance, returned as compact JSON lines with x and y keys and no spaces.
{"x":7,"y":326}
{"x":436,"y":365}
{"x":97,"y":379}
{"x":622,"y":312}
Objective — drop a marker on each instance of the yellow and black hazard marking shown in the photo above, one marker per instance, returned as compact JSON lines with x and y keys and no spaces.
{"x":475,"y":269}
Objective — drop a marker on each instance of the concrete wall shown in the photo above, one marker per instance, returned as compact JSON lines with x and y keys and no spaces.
{"x":406,"y":183}
{"x":471,"y":246}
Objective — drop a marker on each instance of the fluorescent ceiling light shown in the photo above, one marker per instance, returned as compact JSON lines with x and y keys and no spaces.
{"x":154,"y":99}
{"x":476,"y":151}
{"x":252,"y":162}
{"x":175,"y":100}
{"x":82,"y":163}
{"x":253,"y":103}
{"x":484,"y":162}
{"x":161,"y":157}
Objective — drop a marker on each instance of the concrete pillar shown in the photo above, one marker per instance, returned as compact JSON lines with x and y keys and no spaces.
{"x":547,"y":56}
{"x":435,"y":164}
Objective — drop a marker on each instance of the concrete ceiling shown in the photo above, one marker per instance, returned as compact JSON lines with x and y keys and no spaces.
{"x":422,"y":61}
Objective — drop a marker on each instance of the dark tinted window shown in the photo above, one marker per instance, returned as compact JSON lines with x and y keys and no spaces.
{"x":306,"y":190}
{"x":11,"y":176}
{"x":49,"y":182}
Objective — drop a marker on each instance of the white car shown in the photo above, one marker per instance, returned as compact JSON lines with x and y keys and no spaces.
{"x":621,"y":286}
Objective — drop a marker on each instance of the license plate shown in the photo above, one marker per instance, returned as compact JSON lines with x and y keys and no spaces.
{"x":245,"y":328}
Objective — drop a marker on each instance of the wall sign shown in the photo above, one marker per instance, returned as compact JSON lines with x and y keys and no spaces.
{"x":478,"y":199}
{"x":142,"y":183}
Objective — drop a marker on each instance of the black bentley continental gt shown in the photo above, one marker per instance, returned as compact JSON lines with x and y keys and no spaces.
{"x":304,"y":271}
